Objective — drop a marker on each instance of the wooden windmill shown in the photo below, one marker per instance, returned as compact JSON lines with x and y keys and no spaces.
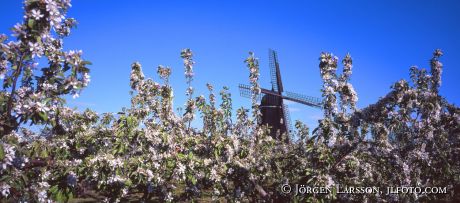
{"x":274,"y":112}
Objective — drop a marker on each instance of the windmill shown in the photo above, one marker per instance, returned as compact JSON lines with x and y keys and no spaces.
{"x":274,"y":112}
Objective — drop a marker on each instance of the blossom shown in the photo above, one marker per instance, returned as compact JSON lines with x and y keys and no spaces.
{"x":5,"y":189}
{"x":10,"y":152}
{"x":180,"y":168}
{"x":55,"y":16}
{"x":330,"y":182}
{"x":18,"y":30}
{"x":164,"y":72}
{"x":186,"y":54}
{"x":149,"y":174}
{"x":95,"y":174}
{"x":75,"y":95}
{"x":86,"y":79}
{"x":67,"y":3}
{"x":169,"y":197}
{"x":40,"y":107}
{"x":3,"y":70}
{"x":42,"y":191}
{"x":73,"y":57}
{"x":207,"y":162}
{"x":36,"y":49}
{"x":47,"y":87}
{"x":115,"y":179}
{"x":124,"y":192}
{"x":45,"y":175}
{"x":214,"y":175}
{"x":51,"y":6}
{"x":36,"y":14}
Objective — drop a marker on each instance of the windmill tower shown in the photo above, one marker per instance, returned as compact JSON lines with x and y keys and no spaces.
{"x":274,"y":112}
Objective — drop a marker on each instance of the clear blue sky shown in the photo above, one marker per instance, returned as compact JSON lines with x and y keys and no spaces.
{"x":384,"y":38}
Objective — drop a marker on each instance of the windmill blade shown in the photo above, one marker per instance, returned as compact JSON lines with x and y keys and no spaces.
{"x":245,"y":91}
{"x":304,"y":99}
{"x":278,"y":74}
{"x":275,"y":74}
{"x":287,"y":119}
{"x":271,"y":64}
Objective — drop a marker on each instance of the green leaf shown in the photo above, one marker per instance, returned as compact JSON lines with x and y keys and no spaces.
{"x":44,"y":153}
{"x":87,"y":63}
{"x":170,"y":163}
{"x":24,"y":178}
{"x":54,"y":189}
{"x":8,"y":82}
{"x":128,"y":183}
{"x":192,"y":179}
{"x":43,"y":116}
{"x":4,"y":178}
{"x":59,"y":196}
{"x":31,"y":23}
{"x":2,"y":153}
{"x":69,"y":196}
{"x":216,"y":153}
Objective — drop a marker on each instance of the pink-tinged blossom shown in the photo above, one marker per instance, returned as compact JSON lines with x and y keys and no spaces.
{"x":55,"y":17}
{"x":18,"y":30}
{"x":67,"y":3}
{"x":36,"y":49}
{"x":3,"y":70}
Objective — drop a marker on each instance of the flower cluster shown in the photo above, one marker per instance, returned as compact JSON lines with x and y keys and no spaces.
{"x":190,"y":106}
{"x":164,"y":72}
{"x":29,"y":94}
{"x":253,"y":64}
{"x":328,"y":66}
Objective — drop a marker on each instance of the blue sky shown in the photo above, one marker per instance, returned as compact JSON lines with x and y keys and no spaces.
{"x":384,"y":38}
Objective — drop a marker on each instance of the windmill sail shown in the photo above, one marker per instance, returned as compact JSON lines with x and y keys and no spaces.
{"x":275,"y":74}
{"x":245,"y":91}
{"x":287,"y":119}
{"x":304,"y":99}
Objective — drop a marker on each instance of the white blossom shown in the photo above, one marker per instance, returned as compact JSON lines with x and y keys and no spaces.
{"x":86,"y":79}
{"x":5,"y":189}
{"x":36,"y":14}
{"x":10,"y":152}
